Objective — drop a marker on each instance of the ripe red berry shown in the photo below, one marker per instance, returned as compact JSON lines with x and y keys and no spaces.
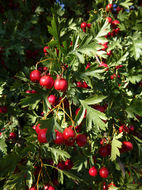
{"x":35,"y":76}
{"x":105,"y":187}
{"x":127,"y":145}
{"x":104,"y":172}
{"x":42,"y":136}
{"x":12,"y":135}
{"x":115,"y":23}
{"x":109,"y":53}
{"x":61,"y":84}
{"x":87,"y":66}
{"x":47,"y":81}
{"x":68,"y":134}
{"x":51,"y":187}
{"x":103,"y":65}
{"x":123,"y":128}
{"x":45,"y":49}
{"x":79,"y":84}
{"x":108,"y":7}
{"x":52,"y":99}
{"x":38,"y":128}
{"x":33,"y":188}
{"x":84,"y":84}
{"x":93,"y":171}
{"x":61,"y":165}
{"x":99,"y":108}
{"x":28,"y":91}
{"x":68,"y":164}
{"x":89,"y":25}
{"x":81,"y":140}
{"x":109,"y":19}
{"x":59,"y":138}
{"x":104,"y":151}
{"x":111,"y":185}
{"x":45,"y":187}
{"x":104,"y":47}
{"x":83,"y":25}
{"x":131,"y":128}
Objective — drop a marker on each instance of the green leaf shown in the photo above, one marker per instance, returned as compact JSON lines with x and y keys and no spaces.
{"x":94,"y":118}
{"x":94,"y":99}
{"x":136,"y":47}
{"x":59,"y":154}
{"x":32,"y":99}
{"x":80,"y":116}
{"x":29,"y":179}
{"x":126,"y":4}
{"x":3,"y":146}
{"x":134,"y":108}
{"x":115,"y":146}
{"x":103,"y":32}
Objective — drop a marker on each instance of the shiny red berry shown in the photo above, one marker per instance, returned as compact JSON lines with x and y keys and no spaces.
{"x":59,"y":138}
{"x":104,"y":172}
{"x":83,"y":25}
{"x":68,"y":164}
{"x":42,"y":136}
{"x":93,"y":171}
{"x":52,"y":99}
{"x":47,"y":81}
{"x":35,"y":76}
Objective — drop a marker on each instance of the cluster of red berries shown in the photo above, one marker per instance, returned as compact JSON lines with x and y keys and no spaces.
{"x":68,"y":137}
{"x":60,"y":84}
{"x":103,"y":172}
{"x":84,"y":25}
{"x":46,"y":187}
{"x":115,"y":29}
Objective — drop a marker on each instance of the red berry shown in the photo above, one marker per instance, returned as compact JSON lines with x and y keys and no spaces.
{"x":103,"y":65}
{"x":83,"y":25}
{"x":93,"y":171}
{"x":115,"y":23}
{"x":61,"y":165}
{"x":47,"y":81}
{"x":99,"y":108}
{"x":84,"y":84}
{"x":109,"y":19}
{"x":35,"y":76}
{"x":79,"y":84}
{"x":131,"y":128}
{"x":105,"y":187}
{"x":33,"y":188}
{"x":45,"y":49}
{"x":87,"y":66}
{"x":3,"y":109}
{"x":59,"y":138}
{"x":81,"y":140}
{"x":103,"y":151}
{"x":61,"y":84}
{"x":28,"y":91}
{"x":104,"y":47}
{"x":123,"y":128}
{"x":12,"y":135}
{"x":33,"y":91}
{"x":68,"y":134}
{"x":89,"y":25}
{"x":111,"y":185}
{"x":109,"y":53}
{"x":51,"y":187}
{"x":68,"y":164}
{"x":104,"y":172}
{"x":45,"y":187}
{"x":42,"y":136}
{"x":38,"y":128}
{"x":52,"y":99}
{"x":108,"y":7}
{"x":127,"y":145}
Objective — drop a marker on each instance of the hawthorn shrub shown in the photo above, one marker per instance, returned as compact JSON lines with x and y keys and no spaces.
{"x":72,"y":120}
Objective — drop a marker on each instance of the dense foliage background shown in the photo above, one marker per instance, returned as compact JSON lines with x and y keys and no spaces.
{"x":70,"y":95}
